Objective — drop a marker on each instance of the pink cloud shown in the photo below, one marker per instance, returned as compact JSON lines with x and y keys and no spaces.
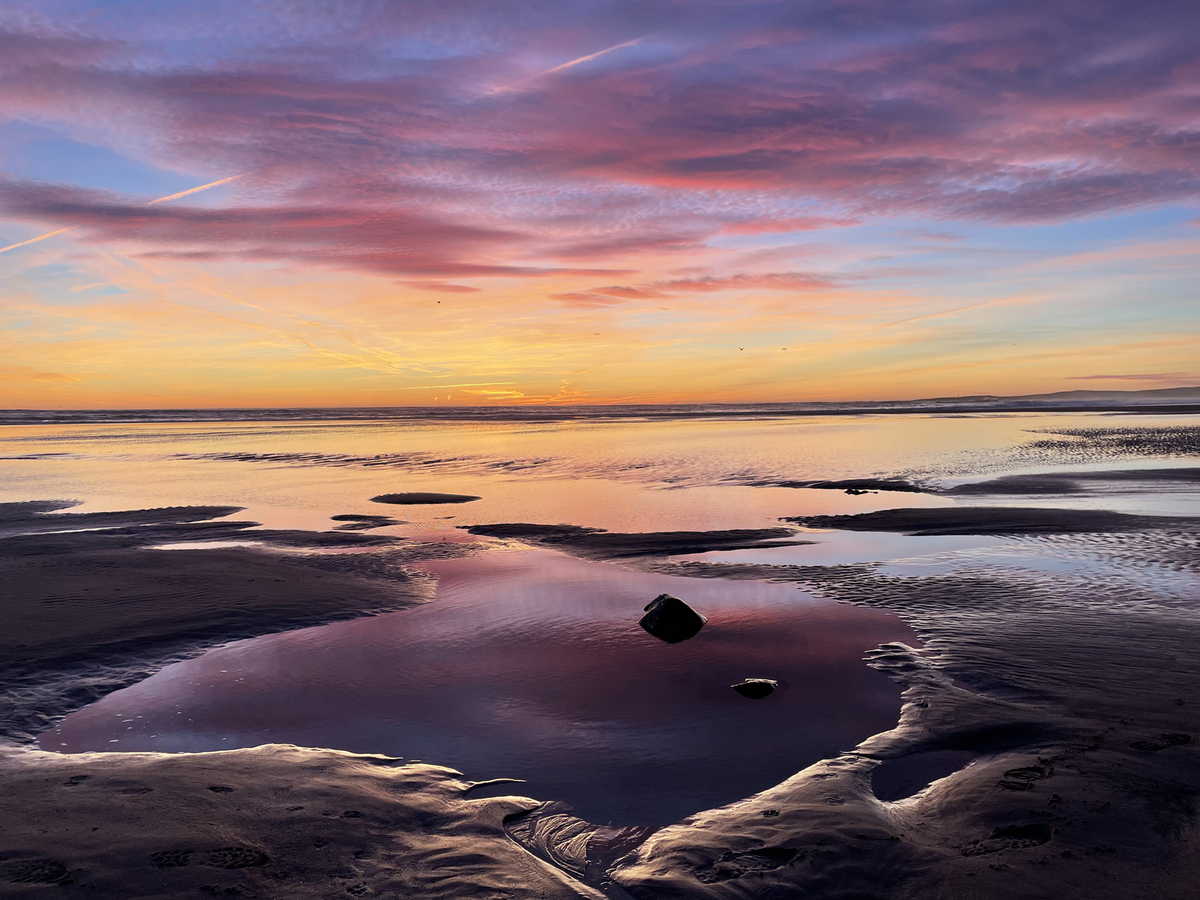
{"x":779,"y":226}
{"x":387,"y":239}
{"x":441,"y":287}
{"x":400,"y":161}
{"x":771,"y":281}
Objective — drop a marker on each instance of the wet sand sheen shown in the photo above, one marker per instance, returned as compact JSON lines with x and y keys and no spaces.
{"x":1061,"y":669}
{"x":531,"y":665}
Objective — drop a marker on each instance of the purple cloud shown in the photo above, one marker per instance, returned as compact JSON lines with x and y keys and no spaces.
{"x":379,"y":140}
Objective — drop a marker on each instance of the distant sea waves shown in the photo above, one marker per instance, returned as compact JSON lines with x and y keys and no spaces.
{"x":423,"y":413}
{"x":1177,"y":400}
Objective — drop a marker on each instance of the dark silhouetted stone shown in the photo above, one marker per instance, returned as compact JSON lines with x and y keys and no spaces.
{"x":756,"y":688}
{"x":670,"y":619}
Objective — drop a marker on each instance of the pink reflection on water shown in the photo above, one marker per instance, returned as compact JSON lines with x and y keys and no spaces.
{"x":532,"y":665}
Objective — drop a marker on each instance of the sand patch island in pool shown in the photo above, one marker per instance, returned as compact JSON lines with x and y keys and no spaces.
{"x":423,"y":498}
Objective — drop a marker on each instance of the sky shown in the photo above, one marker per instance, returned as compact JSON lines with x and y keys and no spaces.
{"x":587,"y":201}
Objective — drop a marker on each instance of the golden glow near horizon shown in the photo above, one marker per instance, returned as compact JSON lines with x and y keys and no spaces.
{"x":731,"y":211}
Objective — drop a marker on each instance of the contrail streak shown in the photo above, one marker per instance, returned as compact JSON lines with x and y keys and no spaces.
{"x":196,"y":190}
{"x":567,"y":65}
{"x":32,"y":240}
{"x":203,"y":187}
{"x":591,"y":56}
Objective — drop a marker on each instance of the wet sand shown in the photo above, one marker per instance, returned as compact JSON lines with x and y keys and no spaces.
{"x":1057,"y":713}
{"x":90,"y":605}
{"x":596,"y":543}
{"x":89,"y":612}
{"x":1000,"y":520}
{"x":423,"y":498}
{"x":1080,"y":482}
{"x":274,"y":821}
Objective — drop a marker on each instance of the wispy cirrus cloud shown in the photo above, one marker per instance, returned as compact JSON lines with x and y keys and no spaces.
{"x":613,"y":295}
{"x":387,"y":240}
{"x":189,"y":192}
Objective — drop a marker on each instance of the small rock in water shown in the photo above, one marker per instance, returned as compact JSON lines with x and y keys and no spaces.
{"x":670,"y":619}
{"x":756,"y":688}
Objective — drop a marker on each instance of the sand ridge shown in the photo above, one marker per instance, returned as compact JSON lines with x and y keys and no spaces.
{"x":999,"y":520}
{"x":271,"y":821}
{"x":598,"y":544}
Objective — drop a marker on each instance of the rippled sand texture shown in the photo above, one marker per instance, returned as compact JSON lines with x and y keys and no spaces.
{"x":1062,"y":711}
{"x":1048,"y":745}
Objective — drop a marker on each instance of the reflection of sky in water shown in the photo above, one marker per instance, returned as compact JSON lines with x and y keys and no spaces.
{"x":627,"y":475}
{"x":532,"y":665}
{"x":206,"y":545}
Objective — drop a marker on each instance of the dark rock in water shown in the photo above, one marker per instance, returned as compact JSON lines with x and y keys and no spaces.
{"x":670,"y":619}
{"x":756,"y":688}
{"x":420,"y":498}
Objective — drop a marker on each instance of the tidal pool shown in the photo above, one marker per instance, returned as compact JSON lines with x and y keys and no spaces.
{"x":531,"y":665}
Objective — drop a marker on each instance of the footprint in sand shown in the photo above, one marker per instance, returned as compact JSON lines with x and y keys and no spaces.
{"x":34,"y":871}
{"x":1011,"y":837}
{"x":1168,"y":739}
{"x":171,"y":859}
{"x":734,"y":865}
{"x":236,"y":858}
{"x":1022,"y":779}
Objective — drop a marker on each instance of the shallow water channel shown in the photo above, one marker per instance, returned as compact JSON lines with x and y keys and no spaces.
{"x":531,"y":665}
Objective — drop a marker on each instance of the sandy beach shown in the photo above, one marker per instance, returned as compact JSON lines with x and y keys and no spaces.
{"x":275,"y":821}
{"x":1047,"y":744}
{"x":669,"y":450}
{"x":1060,"y":717}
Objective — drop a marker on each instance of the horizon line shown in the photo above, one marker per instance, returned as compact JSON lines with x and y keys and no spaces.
{"x":1098,"y":395}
